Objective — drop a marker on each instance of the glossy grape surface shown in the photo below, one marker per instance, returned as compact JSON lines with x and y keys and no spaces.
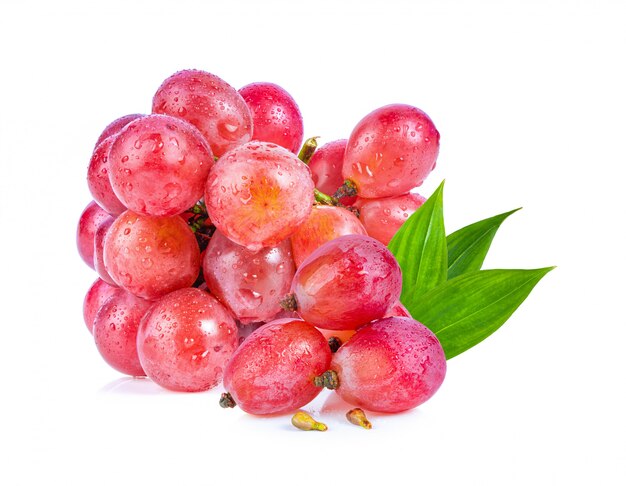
{"x":258,"y":194}
{"x":97,"y":294}
{"x":150,"y":256}
{"x":326,"y":166}
{"x":250,"y":284}
{"x":325,"y":223}
{"x":116,"y":126}
{"x":185,"y":341}
{"x":209,"y":103}
{"x":391,"y":151}
{"x":383,"y":217}
{"x":158,"y":165}
{"x":98,"y":251}
{"x":397,"y":310}
{"x":91,"y":217}
{"x":98,"y":179}
{"x":273,"y":369}
{"x":346,"y":283}
{"x":390,"y":365}
{"x":115,"y":331}
{"x":276,"y":117}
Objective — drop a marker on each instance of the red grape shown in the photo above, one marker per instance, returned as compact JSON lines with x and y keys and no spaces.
{"x":383,"y":217}
{"x":273,"y":369}
{"x":115,"y":331}
{"x":151,"y":256}
{"x":98,"y":251}
{"x":346,"y":283}
{"x":98,"y":179}
{"x":185,"y":340}
{"x":258,"y":194}
{"x":325,"y":223}
{"x":397,"y":310}
{"x":326,"y":165}
{"x":159,"y":165}
{"x":116,"y":126}
{"x":97,"y":295}
{"x":390,"y":365}
{"x":276,"y":117}
{"x":250,"y":284}
{"x":90,"y":219}
{"x":391,"y":151}
{"x":209,"y":103}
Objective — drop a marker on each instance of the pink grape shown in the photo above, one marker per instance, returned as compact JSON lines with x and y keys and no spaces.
{"x":92,"y":216}
{"x":209,"y":103}
{"x":258,"y":194}
{"x":326,"y":165}
{"x":98,"y":251}
{"x":390,"y":365}
{"x":347,"y":283}
{"x":325,"y":223}
{"x":250,"y":284}
{"x":273,"y":370}
{"x":97,"y":295}
{"x":115,"y":331}
{"x":185,"y":341}
{"x":158,"y":165}
{"x":116,"y":126}
{"x":276,"y":117}
{"x":383,"y":217}
{"x":98,"y":179}
{"x":151,"y":256}
{"x":391,"y":151}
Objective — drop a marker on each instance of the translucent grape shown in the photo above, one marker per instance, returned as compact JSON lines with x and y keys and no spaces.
{"x":326,"y":165}
{"x":258,"y":194}
{"x":115,"y":331}
{"x":116,"y":126}
{"x":158,"y":165}
{"x":391,"y":151}
{"x":98,"y":251}
{"x":273,"y":369}
{"x":383,"y":217}
{"x":276,"y":117}
{"x":209,"y":103}
{"x":325,"y":223}
{"x":151,"y":256}
{"x":390,"y":365}
{"x":98,"y":179}
{"x":185,"y":341}
{"x":97,"y":295}
{"x":92,"y":216}
{"x":250,"y":284}
{"x":346,"y":283}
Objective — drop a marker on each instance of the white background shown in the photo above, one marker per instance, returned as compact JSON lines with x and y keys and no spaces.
{"x":529,"y":99}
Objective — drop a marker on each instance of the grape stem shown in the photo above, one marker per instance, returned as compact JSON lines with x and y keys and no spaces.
{"x":227,"y":401}
{"x":328,"y":379}
{"x":308,"y":149}
{"x":289,"y":303}
{"x":325,"y":199}
{"x":347,"y":189}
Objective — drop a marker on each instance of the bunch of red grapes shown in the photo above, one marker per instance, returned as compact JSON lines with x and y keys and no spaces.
{"x":209,"y":222}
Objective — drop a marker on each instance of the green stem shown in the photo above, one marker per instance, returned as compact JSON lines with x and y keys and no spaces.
{"x":308,"y":149}
{"x":325,"y":199}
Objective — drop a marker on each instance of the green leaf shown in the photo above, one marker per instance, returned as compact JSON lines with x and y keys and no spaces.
{"x":465,"y":310}
{"x":420,"y":248}
{"x":468,"y":247}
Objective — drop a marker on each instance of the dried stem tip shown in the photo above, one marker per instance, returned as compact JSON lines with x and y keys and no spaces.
{"x":328,"y":379}
{"x":303,"y":421}
{"x":226,"y":401}
{"x":308,"y":149}
{"x":335,"y":343}
{"x":357,"y":416}
{"x":289,"y":303}
{"x":347,"y":189}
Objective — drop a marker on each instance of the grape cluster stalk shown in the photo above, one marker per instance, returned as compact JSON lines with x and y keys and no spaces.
{"x":230,"y":251}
